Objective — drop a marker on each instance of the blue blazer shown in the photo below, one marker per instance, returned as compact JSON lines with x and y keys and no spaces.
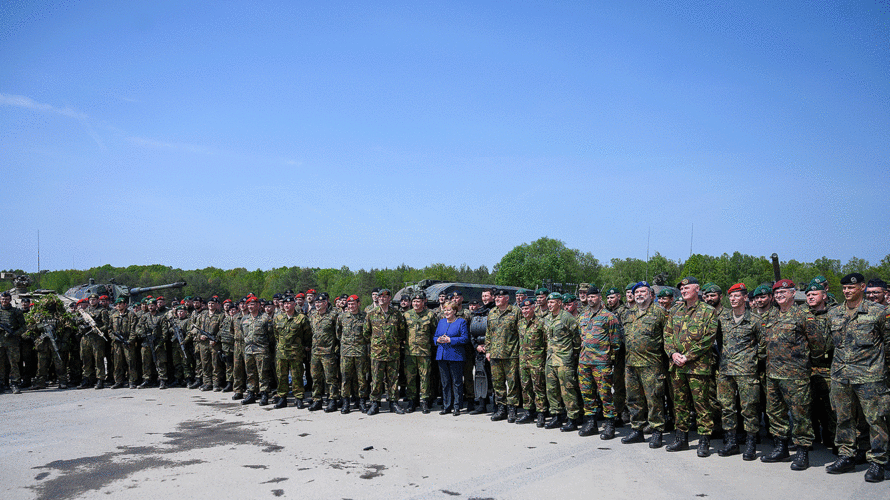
{"x":459,"y":335}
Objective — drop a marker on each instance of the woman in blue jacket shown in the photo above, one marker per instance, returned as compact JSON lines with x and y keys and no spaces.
{"x":451,"y":337}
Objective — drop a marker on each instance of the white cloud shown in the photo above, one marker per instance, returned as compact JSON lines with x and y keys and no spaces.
{"x":21,"y":101}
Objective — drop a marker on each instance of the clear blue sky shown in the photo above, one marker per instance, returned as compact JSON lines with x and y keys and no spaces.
{"x":370,"y":134}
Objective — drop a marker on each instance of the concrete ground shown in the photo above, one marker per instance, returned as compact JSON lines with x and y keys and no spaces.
{"x":183,"y":443}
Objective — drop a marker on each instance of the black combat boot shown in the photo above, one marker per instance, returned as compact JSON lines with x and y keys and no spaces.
{"x":217,"y":388}
{"x":117,"y":385}
{"x":500,"y":414}
{"x":237,"y":396}
{"x":609,"y":428}
{"x":655,"y":440}
{"x":527,"y":417}
{"x":395,"y":407}
{"x":100,"y":384}
{"x":704,"y":447}
{"x":875,"y":473}
{"x":264,"y":398}
{"x":281,"y":403}
{"x":228,"y":387}
{"x":345,"y":407}
{"x":332,"y":406}
{"x":802,"y":459}
{"x":589,"y":428}
{"x":841,"y":465}
{"x":571,"y":425}
{"x":681,"y":441}
{"x":635,"y":436}
{"x":425,"y":407}
{"x":750,"y":448}
{"x":195,"y":384}
{"x":145,"y":384}
{"x":162,"y":384}
{"x":480,"y":407}
{"x":412,"y":405}
{"x":539,"y":420}
{"x":363,"y":405}
{"x":249,"y":399}
{"x":456,"y":411}
{"x":445,"y":410}
{"x":316,"y":405}
{"x":780,"y":451}
{"x":511,"y":414}
{"x":298,"y":402}
{"x":730,"y":445}
{"x":83,"y":383}
{"x":16,"y":389}
{"x":555,"y":421}
{"x":206,"y":387}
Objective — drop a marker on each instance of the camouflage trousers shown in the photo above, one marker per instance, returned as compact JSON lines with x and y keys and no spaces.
{"x":289,"y":366}
{"x":874,"y":399}
{"x":504,"y":378}
{"x":213,"y":371}
{"x":325,"y":368}
{"x":645,"y":396}
{"x":148,"y":361}
{"x":533,"y":383}
{"x":182,"y":363}
{"x":239,"y":372}
{"x":794,"y":395}
{"x":747,"y":387}
{"x":92,"y":354}
{"x":417,"y":373}
{"x":256,"y":366}
{"x":195,"y":352}
{"x":229,"y":359}
{"x":562,"y":391}
{"x":354,"y":373}
{"x":692,"y":391}
{"x":46,"y":358}
{"x":124,"y":364}
{"x":596,"y":380}
{"x":619,"y":396}
{"x":384,"y":376}
{"x":11,"y":357}
{"x":822,"y":411}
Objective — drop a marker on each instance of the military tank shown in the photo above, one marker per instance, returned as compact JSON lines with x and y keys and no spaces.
{"x":432,"y":289}
{"x":20,"y":291}
{"x":22,"y":282}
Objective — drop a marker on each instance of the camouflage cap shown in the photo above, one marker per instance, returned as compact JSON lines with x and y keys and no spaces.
{"x":711,"y":288}
{"x":814,"y":287}
{"x":554,"y":296}
{"x":613,"y":291}
{"x":583,"y":287}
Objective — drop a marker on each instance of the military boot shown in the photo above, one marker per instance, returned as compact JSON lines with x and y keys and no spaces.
{"x":162,"y":384}
{"x":511,"y":414}
{"x":249,"y":399}
{"x":655,"y":440}
{"x":237,"y":396}
{"x":750,"y":448}
{"x":363,"y":405}
{"x":145,"y":384}
{"x":281,"y":403}
{"x":100,"y":384}
{"x":589,"y":428}
{"x":195,"y":384}
{"x":841,"y":465}
{"x":539,"y":420}
{"x":374,"y":408}
{"x":555,"y":421}
{"x":206,"y":387}
{"x":425,"y":407}
{"x":298,"y":402}
{"x":704,"y":447}
{"x":332,"y":406}
{"x":780,"y":451}
{"x":344,"y":409}
{"x":264,"y":398}
{"x":228,"y":387}
{"x":500,"y":414}
{"x":802,"y":459}
{"x":18,"y":390}
{"x":730,"y":445}
{"x":316,"y":405}
{"x":86,"y":383}
{"x":217,"y":388}
{"x":875,"y":473}
{"x":570,"y":425}
{"x":609,"y":429}
{"x":681,"y":442}
{"x":395,"y":407}
{"x":527,"y":417}
{"x":412,"y":405}
{"x":132,"y":386}
{"x":480,"y":407}
{"x":117,"y":385}
{"x":635,"y":436}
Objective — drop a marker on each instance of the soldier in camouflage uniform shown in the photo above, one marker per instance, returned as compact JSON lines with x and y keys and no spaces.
{"x":325,"y":351}
{"x":601,"y":336}
{"x":123,"y":322}
{"x":385,"y":331}
{"x":210,"y":321}
{"x":532,"y":356}
{"x":792,"y":338}
{"x":92,"y":345}
{"x":541,"y":310}
{"x":502,"y":351}
{"x":621,"y":311}
{"x":859,"y":331}
{"x":740,"y":339}
{"x":10,"y":340}
{"x":644,"y":370}
{"x":563,"y":344}
{"x":256,"y":330}
{"x":181,"y":366}
{"x":292,"y":333}
{"x":688,"y":338}
{"x":421,"y":325}
{"x":823,"y":416}
{"x":196,"y":311}
{"x":239,"y":373}
{"x":48,"y":318}
{"x":354,"y":360}
{"x":153,"y":329}
{"x":227,"y":345}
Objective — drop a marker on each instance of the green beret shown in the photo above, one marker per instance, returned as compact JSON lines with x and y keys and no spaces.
{"x":665,"y":292}
{"x":569,"y":297}
{"x":542,"y":291}
{"x":814,"y":287}
{"x":630,"y":286}
{"x":613,"y":290}
{"x":820,"y":279}
{"x":554,"y":296}
{"x":762,"y":290}
{"x":120,"y":300}
{"x":711,"y":287}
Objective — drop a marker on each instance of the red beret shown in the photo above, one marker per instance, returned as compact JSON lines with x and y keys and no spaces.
{"x":738,"y":287}
{"x":252,"y":299}
{"x":352,"y":297}
{"x":103,"y":297}
{"x":310,"y":290}
{"x":783,"y":284}
{"x":299,"y":296}
{"x":160,"y":297}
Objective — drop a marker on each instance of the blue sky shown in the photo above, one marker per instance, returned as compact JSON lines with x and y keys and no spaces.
{"x":371,"y":134}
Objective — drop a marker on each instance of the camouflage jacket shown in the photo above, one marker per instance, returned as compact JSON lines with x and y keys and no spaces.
{"x":293,"y":334}
{"x":227,"y":332}
{"x":324,"y":333}
{"x":532,"y":342}
{"x":644,"y":336}
{"x":63,"y":325}
{"x":859,"y":348}
{"x":385,"y":331}
{"x":209,"y":322}
{"x":15,"y":320}
{"x":691,"y":331}
{"x":257,"y":332}
{"x":183,"y":324}
{"x":154,"y":326}
{"x":791,"y":340}
{"x":563,"y":339}
{"x":502,"y":334}
{"x":822,"y":364}
{"x":100,"y":316}
{"x":351,"y":336}
{"x":420,"y":329}
{"x":542,"y":313}
{"x":601,"y":335}
{"x":123,"y":323}
{"x":236,"y":327}
{"x":741,"y":343}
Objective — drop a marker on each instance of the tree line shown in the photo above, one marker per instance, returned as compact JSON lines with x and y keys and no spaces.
{"x":527,"y":265}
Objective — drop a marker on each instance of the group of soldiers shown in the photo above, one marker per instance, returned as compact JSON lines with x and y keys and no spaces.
{"x":564,"y":361}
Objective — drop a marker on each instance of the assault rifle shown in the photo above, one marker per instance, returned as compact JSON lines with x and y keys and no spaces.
{"x":92,"y":322}
{"x":177,"y":332}
{"x":150,"y":340}
{"x":120,"y":338}
{"x":7,"y":329}
{"x":48,"y":333}
{"x":211,"y":337}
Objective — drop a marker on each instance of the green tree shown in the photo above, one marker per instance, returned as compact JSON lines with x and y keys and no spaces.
{"x":530,"y":264}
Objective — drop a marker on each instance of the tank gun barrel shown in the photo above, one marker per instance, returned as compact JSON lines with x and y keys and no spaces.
{"x":138,"y":290}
